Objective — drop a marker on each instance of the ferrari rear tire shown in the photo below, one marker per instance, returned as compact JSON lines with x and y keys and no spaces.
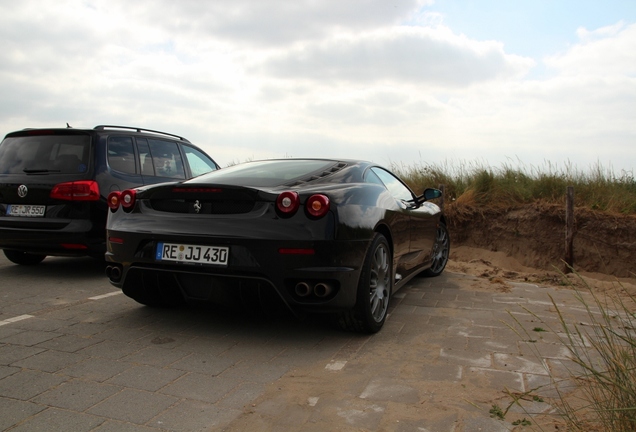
{"x":374,"y":290}
{"x":23,"y":258}
{"x":441,"y":251}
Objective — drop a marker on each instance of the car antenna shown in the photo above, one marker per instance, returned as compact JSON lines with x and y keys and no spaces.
{"x":68,"y":126}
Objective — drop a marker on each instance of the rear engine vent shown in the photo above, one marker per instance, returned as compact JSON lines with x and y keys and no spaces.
{"x":323,"y":174}
{"x":203,"y":206}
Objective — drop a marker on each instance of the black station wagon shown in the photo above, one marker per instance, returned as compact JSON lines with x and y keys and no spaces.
{"x":54,"y":184}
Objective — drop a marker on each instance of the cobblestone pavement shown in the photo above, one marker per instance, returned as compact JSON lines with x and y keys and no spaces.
{"x":76,"y":355}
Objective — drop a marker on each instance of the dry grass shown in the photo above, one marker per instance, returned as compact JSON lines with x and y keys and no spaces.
{"x":599,"y":188}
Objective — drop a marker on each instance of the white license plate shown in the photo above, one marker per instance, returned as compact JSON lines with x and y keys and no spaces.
{"x":26,"y":210}
{"x":186,"y":253}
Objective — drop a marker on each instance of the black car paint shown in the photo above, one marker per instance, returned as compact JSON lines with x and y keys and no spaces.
{"x":340,"y":240}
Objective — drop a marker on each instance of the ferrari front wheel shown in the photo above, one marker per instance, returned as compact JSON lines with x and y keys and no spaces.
{"x":441,"y":251}
{"x":374,"y":290}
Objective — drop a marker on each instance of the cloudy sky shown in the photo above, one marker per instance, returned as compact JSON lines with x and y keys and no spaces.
{"x":532,"y":82}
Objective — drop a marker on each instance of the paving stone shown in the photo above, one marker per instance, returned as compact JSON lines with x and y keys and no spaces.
{"x":465,"y":358}
{"x":470,"y":331}
{"x":30,"y":337}
{"x":195,"y":416}
{"x":205,"y":364}
{"x":110,"y":349}
{"x":70,"y":343}
{"x":122,"y":334}
{"x":544,"y":350}
{"x":117,"y":426}
{"x":6,"y":331}
{"x":5,"y":371}
{"x":448,"y":321}
{"x":254,"y":371}
{"x":155,"y":356}
{"x":149,"y":378}
{"x":205,"y":344}
{"x":41,"y":324}
{"x":27,"y":384}
{"x":54,"y":419}
{"x":496,"y":379}
{"x":444,"y":295}
{"x":133,"y":406}
{"x":390,"y":390}
{"x":13,"y":412}
{"x":492,"y":345}
{"x":486,"y":424}
{"x":423,"y":302}
{"x":362,"y":415}
{"x":205,"y":388}
{"x":455,"y":304}
{"x":519,"y":364}
{"x":447,"y":423}
{"x":85,"y":329}
{"x":242,"y":395}
{"x":11,"y":353}
{"x":77,"y":395}
{"x":438,"y":372}
{"x":541,"y":385}
{"x":48,"y":361}
{"x":96,"y":369}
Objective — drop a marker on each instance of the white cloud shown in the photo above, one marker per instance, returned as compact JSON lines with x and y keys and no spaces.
{"x":269,"y":78}
{"x":608,"y":51}
{"x":428,"y":56}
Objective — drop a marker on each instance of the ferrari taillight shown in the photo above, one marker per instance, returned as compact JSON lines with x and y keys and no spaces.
{"x":317,"y":205}
{"x":287,"y":203}
{"x":127,"y":199}
{"x":84,"y":190}
{"x":113,"y":200}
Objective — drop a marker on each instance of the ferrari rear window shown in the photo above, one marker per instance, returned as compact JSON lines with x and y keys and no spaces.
{"x":266,"y":173}
{"x":42,"y":154}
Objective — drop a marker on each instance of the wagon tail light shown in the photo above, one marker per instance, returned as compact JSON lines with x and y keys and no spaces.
{"x":125,"y":199}
{"x":85,"y":190}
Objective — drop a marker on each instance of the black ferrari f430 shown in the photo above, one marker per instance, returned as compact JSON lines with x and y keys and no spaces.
{"x":336,"y":236}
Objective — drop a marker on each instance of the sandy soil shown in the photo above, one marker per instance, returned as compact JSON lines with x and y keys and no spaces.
{"x":527,"y":243}
{"x":494,"y":269}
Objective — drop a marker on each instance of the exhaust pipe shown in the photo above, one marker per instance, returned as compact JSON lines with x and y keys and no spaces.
{"x":113,"y":273}
{"x":302,"y":289}
{"x":322,"y":289}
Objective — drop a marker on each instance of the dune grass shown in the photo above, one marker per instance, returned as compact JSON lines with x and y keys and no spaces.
{"x":599,"y":188}
{"x":600,"y":392}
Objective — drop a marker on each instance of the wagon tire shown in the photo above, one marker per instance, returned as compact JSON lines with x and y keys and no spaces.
{"x":23,"y":258}
{"x":374,"y":290}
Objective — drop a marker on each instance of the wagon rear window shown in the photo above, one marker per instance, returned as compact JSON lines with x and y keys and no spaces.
{"x":41,"y":154}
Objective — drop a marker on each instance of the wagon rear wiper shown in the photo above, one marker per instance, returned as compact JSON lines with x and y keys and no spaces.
{"x":39,"y":171}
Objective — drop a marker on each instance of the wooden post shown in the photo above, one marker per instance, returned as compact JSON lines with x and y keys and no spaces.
{"x":569,"y":229}
{"x":441,"y":200}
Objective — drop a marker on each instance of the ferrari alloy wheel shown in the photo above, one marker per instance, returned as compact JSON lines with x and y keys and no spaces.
{"x":23,"y":258}
{"x":374,"y":290}
{"x":441,"y":251}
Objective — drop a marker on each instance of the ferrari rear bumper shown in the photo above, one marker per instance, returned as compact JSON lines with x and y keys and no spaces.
{"x":310,"y":275}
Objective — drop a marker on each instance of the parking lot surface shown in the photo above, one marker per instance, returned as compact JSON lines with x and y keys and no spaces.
{"x":77,"y":355}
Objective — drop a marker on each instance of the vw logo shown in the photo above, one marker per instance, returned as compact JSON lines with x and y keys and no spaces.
{"x":197,"y":206}
{"x":22,"y":191}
